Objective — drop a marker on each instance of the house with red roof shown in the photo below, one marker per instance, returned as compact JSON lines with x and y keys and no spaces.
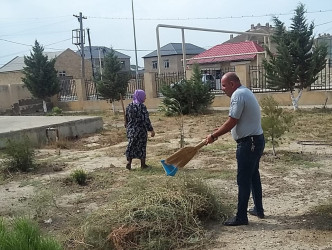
{"x":224,"y":57}
{"x":228,"y":54}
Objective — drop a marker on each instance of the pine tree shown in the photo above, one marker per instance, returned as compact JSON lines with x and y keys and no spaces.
{"x":40,"y":76}
{"x":297,"y":61}
{"x":114,"y":83}
{"x":193,"y":95}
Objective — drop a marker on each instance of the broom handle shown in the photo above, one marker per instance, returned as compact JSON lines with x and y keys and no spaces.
{"x":124,"y":112}
{"x":201,"y":144}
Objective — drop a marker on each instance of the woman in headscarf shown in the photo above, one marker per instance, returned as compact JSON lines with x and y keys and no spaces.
{"x":138,"y":124}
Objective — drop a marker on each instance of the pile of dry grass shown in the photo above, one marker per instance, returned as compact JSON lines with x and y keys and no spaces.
{"x":163,"y":213}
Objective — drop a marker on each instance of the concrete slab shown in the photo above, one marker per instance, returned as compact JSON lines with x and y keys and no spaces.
{"x":40,"y":129}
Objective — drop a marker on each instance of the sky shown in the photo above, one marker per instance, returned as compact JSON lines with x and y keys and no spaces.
{"x":110,"y":22}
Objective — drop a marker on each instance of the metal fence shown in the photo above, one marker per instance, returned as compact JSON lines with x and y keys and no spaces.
{"x":67,"y":90}
{"x":324,"y":79}
{"x":134,"y":84}
{"x":91,"y":90}
{"x":167,"y":79}
{"x":259,"y":84}
{"x":212,"y":76}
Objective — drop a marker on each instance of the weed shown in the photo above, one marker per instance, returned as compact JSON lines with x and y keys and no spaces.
{"x":24,"y":234}
{"x":56,"y":111}
{"x":79,"y":176}
{"x":19,"y":155}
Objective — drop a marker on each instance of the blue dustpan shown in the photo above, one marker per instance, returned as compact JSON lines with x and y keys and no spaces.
{"x":169,"y":169}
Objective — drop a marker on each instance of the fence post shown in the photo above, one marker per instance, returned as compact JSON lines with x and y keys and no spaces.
{"x":150,"y":85}
{"x":242,"y":71}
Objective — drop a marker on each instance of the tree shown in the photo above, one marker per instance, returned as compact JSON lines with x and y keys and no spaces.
{"x":193,"y":95}
{"x":114,"y":83}
{"x":275,"y":122}
{"x":297,"y":61}
{"x":40,"y":76}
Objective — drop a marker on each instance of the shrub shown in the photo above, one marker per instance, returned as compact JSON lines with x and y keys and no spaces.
{"x":79,"y":176}
{"x":275,"y":121}
{"x":56,"y":111}
{"x":24,"y":234}
{"x":193,"y":95}
{"x":161,"y":213}
{"x":20,"y":155}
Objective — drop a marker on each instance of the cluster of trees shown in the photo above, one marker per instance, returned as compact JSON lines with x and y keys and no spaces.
{"x":40,"y":76}
{"x":295,"y":65}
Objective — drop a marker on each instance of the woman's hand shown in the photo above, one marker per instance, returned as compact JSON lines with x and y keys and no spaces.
{"x":152,"y":133}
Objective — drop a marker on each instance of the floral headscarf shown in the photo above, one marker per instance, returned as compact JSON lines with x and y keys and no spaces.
{"x":139,"y":96}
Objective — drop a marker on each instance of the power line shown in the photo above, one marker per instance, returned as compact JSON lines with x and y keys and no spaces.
{"x":207,"y":18}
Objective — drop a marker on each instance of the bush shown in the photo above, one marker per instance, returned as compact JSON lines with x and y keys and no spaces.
{"x":275,"y":121}
{"x":162,"y":213}
{"x":56,"y":111}
{"x":79,"y":176}
{"x":193,"y":95}
{"x":20,"y":155}
{"x":24,"y":234}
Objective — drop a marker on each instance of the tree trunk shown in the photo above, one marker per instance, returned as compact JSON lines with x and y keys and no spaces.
{"x":113,"y":107}
{"x":44,"y":106}
{"x":295,"y":100}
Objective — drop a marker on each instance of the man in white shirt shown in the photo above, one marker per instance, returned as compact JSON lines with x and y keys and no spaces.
{"x":244,"y":122}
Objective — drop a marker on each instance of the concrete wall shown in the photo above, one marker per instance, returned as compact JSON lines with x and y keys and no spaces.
{"x":67,"y":127}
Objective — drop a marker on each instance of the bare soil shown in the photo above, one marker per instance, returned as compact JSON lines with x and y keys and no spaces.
{"x":295,"y":181}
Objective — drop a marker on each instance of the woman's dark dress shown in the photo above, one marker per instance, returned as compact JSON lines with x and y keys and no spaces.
{"x":138,"y":123}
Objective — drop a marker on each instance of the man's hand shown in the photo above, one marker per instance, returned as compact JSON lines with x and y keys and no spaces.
{"x":210,"y":139}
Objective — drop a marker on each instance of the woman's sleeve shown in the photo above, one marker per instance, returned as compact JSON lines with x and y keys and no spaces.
{"x":148,"y":124}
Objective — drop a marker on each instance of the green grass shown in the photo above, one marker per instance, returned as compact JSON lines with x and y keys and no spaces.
{"x":305,"y":160}
{"x":23,"y":234}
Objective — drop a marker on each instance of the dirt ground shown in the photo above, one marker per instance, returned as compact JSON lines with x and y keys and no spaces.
{"x":294,"y":182}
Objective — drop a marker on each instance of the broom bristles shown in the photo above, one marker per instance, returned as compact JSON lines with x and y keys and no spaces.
{"x":184,"y":155}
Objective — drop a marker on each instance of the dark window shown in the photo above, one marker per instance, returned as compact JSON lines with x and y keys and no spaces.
{"x":154,"y":64}
{"x":166,"y":64}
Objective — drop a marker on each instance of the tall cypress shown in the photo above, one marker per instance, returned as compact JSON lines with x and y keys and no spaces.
{"x":297,"y":61}
{"x":40,"y":76}
{"x":114,"y":83}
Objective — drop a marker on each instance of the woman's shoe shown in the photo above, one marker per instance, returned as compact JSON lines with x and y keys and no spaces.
{"x":145,"y":166}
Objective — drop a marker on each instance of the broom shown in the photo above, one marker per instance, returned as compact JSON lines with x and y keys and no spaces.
{"x":180,"y":158}
{"x":123,"y":110}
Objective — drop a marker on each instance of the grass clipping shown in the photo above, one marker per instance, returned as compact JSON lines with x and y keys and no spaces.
{"x":163,"y":213}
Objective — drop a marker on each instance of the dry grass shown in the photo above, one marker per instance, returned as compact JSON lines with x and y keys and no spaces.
{"x":156,"y":213}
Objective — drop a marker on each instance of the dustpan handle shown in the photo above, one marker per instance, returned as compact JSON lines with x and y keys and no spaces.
{"x":201,"y":144}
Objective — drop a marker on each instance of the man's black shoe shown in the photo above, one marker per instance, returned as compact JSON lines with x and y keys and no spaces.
{"x":235,"y":222}
{"x":253,"y":211}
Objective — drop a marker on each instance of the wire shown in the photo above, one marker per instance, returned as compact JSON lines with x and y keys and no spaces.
{"x":206,"y":18}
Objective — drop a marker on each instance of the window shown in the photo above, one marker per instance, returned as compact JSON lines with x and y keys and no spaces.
{"x":154,"y":64}
{"x":123,"y":65}
{"x":166,"y":64}
{"x":62,"y":73}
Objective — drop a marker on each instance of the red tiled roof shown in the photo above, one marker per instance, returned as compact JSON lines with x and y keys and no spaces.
{"x":228,"y":52}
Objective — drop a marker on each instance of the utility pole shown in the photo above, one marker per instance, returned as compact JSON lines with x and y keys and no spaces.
{"x":136,"y":68}
{"x":81,"y":43}
{"x":92,"y":62}
{"x":80,"y":20}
